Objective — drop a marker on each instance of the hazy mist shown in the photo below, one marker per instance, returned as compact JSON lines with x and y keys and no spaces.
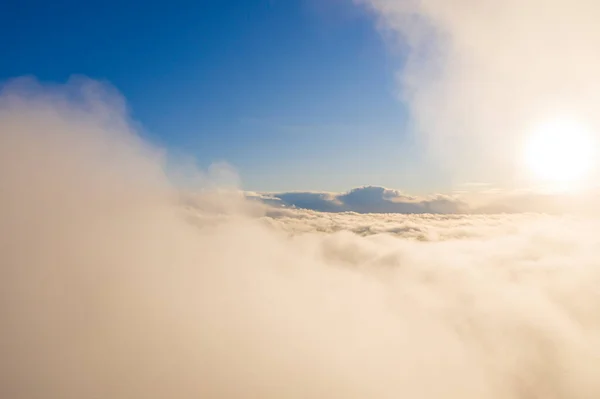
{"x":115,"y":284}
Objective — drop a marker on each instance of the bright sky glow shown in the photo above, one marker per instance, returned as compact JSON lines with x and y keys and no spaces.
{"x":560,"y":152}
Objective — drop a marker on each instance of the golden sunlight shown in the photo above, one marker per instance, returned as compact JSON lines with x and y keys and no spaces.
{"x":560,"y":152}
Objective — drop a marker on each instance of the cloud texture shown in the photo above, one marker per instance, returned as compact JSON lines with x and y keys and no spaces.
{"x":115,"y":285}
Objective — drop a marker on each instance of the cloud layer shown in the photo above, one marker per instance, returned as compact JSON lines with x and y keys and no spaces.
{"x":113,"y":284}
{"x":372,"y":199}
{"x":368,"y":199}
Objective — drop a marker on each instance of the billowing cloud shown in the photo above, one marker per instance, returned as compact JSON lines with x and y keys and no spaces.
{"x":113,"y":284}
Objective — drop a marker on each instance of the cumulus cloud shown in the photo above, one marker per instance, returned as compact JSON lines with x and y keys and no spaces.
{"x":114,"y":284}
{"x":480,"y":73}
{"x":372,"y":199}
{"x":368,"y":199}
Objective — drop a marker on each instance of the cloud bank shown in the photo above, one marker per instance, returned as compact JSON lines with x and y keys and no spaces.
{"x":373,"y":199}
{"x":114,"y":284}
{"x":368,"y":199}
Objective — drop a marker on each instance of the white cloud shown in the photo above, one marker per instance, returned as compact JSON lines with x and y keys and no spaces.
{"x":480,"y":74}
{"x":113,"y":284}
{"x":423,"y":227}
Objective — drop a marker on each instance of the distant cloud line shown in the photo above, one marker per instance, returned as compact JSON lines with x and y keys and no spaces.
{"x":375,"y":199}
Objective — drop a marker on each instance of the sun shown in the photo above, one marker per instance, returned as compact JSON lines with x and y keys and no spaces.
{"x":560,"y":152}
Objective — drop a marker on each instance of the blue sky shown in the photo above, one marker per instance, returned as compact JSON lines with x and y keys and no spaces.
{"x":295,"y":94}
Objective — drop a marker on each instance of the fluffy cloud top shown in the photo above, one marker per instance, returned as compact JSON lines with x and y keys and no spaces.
{"x":421,"y":227}
{"x":115,"y":285}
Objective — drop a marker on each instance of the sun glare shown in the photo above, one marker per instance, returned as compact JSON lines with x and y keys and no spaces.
{"x":560,"y":152}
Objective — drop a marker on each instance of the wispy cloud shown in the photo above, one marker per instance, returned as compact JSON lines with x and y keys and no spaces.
{"x":480,"y":74}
